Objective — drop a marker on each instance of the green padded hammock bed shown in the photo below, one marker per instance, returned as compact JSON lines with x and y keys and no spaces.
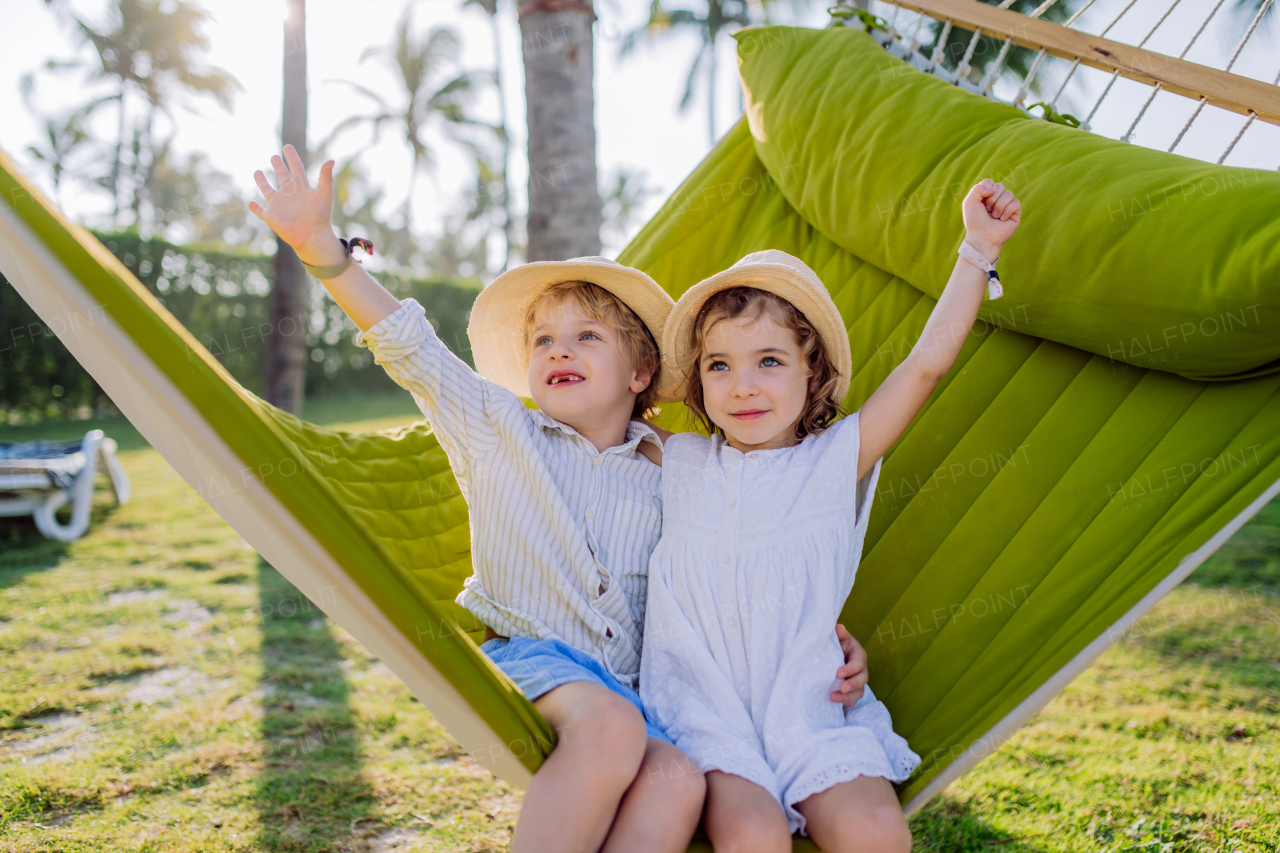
{"x":1110,"y":422}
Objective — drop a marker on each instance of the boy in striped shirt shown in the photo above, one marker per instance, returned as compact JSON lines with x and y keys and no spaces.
{"x":565,"y":508}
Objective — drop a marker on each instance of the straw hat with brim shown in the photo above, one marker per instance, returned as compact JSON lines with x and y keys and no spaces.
{"x":777,"y":273}
{"x":497,"y":327}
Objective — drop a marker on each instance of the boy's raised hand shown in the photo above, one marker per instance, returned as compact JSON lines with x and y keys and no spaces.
{"x":991,"y":215}
{"x":299,"y":213}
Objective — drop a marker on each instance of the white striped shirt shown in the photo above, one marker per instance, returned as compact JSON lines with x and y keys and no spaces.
{"x":552,"y":519}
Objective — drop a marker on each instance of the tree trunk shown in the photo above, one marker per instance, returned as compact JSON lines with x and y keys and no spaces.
{"x":408,"y":201}
{"x":286,"y":366}
{"x":564,"y":196}
{"x":116,"y":164}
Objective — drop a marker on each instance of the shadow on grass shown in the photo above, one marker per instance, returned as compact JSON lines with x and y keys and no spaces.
{"x":947,"y":825}
{"x":24,"y":549}
{"x":311,"y":792}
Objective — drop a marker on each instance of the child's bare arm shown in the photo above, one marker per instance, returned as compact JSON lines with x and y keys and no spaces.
{"x":301,"y":215}
{"x":991,"y":215}
{"x":463,"y":408}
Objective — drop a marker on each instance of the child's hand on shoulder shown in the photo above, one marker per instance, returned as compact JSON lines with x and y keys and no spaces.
{"x":299,"y":213}
{"x":991,"y":215}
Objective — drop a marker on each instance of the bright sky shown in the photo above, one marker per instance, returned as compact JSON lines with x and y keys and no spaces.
{"x":638,"y":125}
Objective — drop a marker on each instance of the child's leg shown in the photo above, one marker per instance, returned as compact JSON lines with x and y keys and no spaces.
{"x":660,"y":810}
{"x":574,"y":795}
{"x":859,"y":816}
{"x":742,"y":817}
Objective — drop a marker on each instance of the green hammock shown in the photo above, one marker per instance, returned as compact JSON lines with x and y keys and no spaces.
{"x":1054,"y":489}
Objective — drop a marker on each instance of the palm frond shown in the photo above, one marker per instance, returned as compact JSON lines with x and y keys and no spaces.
{"x":687,"y":97}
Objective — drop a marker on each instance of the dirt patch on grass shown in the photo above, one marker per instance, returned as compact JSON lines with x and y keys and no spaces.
{"x":53,"y":737}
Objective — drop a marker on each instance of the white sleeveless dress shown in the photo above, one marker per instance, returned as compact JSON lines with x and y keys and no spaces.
{"x":757,"y":556}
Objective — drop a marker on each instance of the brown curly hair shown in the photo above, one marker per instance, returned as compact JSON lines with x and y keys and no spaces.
{"x":821,"y":408}
{"x":603,"y":307}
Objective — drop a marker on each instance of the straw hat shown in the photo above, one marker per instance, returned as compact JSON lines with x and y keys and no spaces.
{"x":498,"y":316}
{"x":777,"y":273}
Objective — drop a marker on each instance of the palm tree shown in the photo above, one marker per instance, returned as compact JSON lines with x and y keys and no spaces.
{"x":149,"y":48}
{"x":63,"y":138}
{"x":356,"y":200}
{"x":564,"y":196}
{"x":418,"y":64}
{"x":626,"y":191}
{"x":1248,"y":9}
{"x":718,"y":17}
{"x":285,"y":371}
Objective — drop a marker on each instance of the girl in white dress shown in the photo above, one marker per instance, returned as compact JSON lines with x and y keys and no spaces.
{"x":762,"y":531}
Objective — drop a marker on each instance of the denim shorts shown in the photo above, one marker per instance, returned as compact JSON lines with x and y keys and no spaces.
{"x":539,"y":666}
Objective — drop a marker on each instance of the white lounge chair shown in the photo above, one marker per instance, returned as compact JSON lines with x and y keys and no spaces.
{"x":38,"y":477}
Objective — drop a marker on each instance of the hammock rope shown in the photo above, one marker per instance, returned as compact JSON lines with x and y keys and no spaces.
{"x":937,"y":50}
{"x":1116,"y":74}
{"x":989,"y":80}
{"x":963,"y":69}
{"x":1257,"y":19}
{"x":1035,"y":65}
{"x":1245,"y":126}
{"x":1053,"y":104}
{"x":894,"y":39}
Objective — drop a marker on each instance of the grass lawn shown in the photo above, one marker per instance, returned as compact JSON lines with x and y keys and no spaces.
{"x":162,"y":688}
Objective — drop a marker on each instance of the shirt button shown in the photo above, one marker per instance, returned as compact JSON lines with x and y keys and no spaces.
{"x":724,"y":558}
{"x":733,"y":502}
{"x":599,"y":460}
{"x":591,"y":513}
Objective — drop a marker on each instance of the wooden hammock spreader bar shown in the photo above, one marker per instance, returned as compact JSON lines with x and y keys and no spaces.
{"x":1219,"y":88}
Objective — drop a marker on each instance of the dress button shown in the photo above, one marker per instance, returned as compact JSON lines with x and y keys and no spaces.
{"x":599,"y":460}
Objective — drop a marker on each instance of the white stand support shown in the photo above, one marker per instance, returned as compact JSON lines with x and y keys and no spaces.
{"x":27,"y":486}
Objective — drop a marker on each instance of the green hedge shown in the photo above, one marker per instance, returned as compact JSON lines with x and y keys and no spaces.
{"x":223,"y":299}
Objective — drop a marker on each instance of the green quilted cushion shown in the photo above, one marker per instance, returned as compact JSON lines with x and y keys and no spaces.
{"x":1137,"y":255}
{"x":1041,"y":494}
{"x":398,"y":486}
